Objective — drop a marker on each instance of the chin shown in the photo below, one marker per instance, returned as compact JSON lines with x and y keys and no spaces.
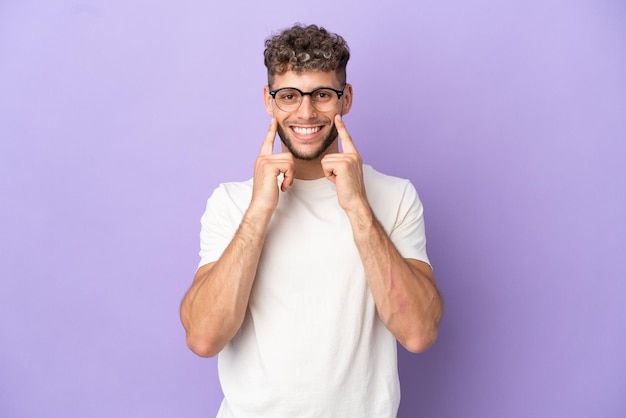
{"x":313,"y":154}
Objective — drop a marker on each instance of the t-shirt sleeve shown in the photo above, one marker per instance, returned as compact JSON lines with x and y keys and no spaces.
{"x":219,"y":223}
{"x":408,"y":233}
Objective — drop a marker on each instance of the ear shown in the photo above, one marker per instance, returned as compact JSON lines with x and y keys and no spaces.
{"x":347,"y":100}
{"x":268,"y":101}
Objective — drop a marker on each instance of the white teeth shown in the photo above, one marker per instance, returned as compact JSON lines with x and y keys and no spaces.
{"x":306,"y":131}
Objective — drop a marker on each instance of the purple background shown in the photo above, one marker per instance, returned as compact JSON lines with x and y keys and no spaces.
{"x":118,"y":118}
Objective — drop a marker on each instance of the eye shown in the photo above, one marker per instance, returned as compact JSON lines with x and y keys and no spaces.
{"x":322,"y":95}
{"x":288,"y":96}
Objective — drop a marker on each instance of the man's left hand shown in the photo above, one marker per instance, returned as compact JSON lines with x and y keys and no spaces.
{"x":345,"y":169}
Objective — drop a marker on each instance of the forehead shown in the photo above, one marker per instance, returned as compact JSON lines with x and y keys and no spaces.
{"x":306,"y":80}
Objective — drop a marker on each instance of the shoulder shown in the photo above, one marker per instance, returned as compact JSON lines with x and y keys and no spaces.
{"x":377,"y":182}
{"x":233,"y":188}
{"x":235,"y":193}
{"x":391,"y":197}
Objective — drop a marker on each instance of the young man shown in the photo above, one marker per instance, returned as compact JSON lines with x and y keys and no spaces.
{"x":313,"y":269}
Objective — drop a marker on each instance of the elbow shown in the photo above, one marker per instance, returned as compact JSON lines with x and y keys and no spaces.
{"x":420,"y":342}
{"x":203,"y":347}
{"x":422,"y":335}
{"x":200,"y":339}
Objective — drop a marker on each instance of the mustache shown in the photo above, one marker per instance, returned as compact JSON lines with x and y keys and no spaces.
{"x":309,"y":122}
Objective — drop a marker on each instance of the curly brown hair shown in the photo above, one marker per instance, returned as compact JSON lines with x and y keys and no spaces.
{"x":306,"y":48}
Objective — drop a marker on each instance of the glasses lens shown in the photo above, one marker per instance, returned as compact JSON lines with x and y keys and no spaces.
{"x":324,"y":99}
{"x":288,"y":99}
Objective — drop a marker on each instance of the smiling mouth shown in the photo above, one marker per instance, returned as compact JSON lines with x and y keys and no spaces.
{"x":306,"y":131}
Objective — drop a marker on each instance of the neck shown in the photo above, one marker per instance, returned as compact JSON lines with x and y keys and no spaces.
{"x":309,"y":169}
{"x":312,"y":169}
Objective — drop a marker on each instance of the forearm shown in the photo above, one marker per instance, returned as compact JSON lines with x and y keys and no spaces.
{"x":405,"y":293}
{"x":214,"y":308}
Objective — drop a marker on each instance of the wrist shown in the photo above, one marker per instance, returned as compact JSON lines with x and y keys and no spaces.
{"x":259,"y":213}
{"x":361,"y":217}
{"x":257,"y":217}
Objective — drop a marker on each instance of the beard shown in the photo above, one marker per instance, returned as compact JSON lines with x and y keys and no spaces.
{"x":327,"y":141}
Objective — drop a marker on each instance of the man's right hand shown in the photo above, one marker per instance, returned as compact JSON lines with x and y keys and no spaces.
{"x":214,"y":308}
{"x":267,"y":168}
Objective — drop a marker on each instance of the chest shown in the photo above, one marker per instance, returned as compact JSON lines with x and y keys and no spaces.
{"x":309,"y":250}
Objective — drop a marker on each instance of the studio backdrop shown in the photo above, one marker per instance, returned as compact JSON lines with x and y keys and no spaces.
{"x":119,"y":118}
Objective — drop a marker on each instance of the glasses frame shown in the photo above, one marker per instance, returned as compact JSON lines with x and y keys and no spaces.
{"x":306,"y":93}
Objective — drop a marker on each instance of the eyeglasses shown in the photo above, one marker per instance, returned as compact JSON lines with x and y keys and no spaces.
{"x":288,"y":99}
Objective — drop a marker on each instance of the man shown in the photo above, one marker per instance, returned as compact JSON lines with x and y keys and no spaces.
{"x":313,"y":269}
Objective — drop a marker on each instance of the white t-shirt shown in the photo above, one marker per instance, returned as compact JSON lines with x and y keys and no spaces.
{"x":312,"y":344}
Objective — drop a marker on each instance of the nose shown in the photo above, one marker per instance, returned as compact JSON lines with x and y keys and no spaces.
{"x":306,"y":109}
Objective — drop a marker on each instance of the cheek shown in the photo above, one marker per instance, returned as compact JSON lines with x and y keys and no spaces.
{"x":281,"y":133}
{"x":282,"y":125}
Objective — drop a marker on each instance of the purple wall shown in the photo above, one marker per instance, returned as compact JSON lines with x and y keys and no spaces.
{"x":118,"y":118}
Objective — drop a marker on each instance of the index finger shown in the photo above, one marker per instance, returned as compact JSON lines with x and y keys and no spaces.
{"x":268,"y":143}
{"x":346,"y":140}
